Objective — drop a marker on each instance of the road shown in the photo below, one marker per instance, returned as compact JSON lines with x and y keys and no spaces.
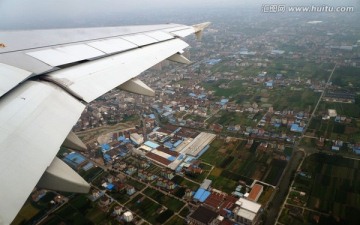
{"x":321,"y":96}
{"x":283,"y":188}
{"x":279,"y":197}
{"x":92,"y":134}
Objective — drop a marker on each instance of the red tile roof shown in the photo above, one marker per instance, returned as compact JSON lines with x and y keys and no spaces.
{"x":255,"y":192}
{"x":158,"y":158}
{"x":167,"y":151}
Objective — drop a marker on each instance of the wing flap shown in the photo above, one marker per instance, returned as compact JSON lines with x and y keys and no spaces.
{"x":113,"y":45}
{"x":184,"y":32}
{"x":64,"y":55}
{"x":139,"y":39}
{"x":34,"y":119}
{"x":10,"y":77}
{"x":92,"y":79}
{"x":41,"y":51}
{"x":160,"y":35}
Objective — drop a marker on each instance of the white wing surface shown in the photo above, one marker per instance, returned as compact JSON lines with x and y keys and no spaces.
{"x":46,"y":77}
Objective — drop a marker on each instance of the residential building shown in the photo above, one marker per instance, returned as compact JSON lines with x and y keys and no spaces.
{"x":255,"y":192}
{"x":246,"y":212}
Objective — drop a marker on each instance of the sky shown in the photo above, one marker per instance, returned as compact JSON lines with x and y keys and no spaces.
{"x":29,"y":14}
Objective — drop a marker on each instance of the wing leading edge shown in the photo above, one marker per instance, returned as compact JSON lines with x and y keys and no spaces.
{"x":37,"y":114}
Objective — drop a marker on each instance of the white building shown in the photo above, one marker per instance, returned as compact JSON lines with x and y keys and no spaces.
{"x":137,"y":138}
{"x":246,"y":212}
{"x":332,"y":113}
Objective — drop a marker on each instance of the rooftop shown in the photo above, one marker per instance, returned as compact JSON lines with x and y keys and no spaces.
{"x":247,"y":209}
{"x":203,"y":215}
{"x":248,"y":205}
{"x":255,"y":192}
{"x":206,"y":184}
{"x":201,"y":194}
{"x":198,"y":144}
{"x":158,"y":158}
{"x":151,"y":144}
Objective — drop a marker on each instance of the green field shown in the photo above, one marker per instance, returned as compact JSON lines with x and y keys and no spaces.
{"x":234,"y":163}
{"x":276,"y":169}
{"x":78,"y":211}
{"x":185,"y":183}
{"x":211,"y":156}
{"x":226,"y":118}
{"x":120,"y":196}
{"x":96,"y":216}
{"x":343,"y":109}
{"x":184,"y":212}
{"x":136,"y":184}
{"x":347,"y":77}
{"x":167,"y":200}
{"x":336,"y":130}
{"x":175,"y":220}
{"x":72,"y":215}
{"x":223,"y":183}
{"x":233,"y":88}
{"x":334,"y":185}
{"x":91,"y":173}
{"x":144,"y":207}
{"x":297,"y":100}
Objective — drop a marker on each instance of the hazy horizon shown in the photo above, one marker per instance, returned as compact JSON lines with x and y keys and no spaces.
{"x":30,"y":14}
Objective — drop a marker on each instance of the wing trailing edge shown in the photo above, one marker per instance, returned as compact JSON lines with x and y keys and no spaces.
{"x":67,"y":67}
{"x":92,"y":79}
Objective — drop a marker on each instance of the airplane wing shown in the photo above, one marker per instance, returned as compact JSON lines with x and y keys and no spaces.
{"x":46,"y":79}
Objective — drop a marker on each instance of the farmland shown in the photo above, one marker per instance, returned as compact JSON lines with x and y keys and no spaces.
{"x":330,"y":185}
{"x":236,"y":163}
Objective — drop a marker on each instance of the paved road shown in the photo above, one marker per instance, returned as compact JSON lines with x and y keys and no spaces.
{"x":321,"y":96}
{"x":283,"y":188}
{"x":294,"y":162}
{"x":91,"y":135}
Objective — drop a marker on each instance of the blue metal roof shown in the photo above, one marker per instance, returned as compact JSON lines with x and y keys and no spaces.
{"x":110,"y":186}
{"x":295,"y":128}
{"x":198,"y":193}
{"x":171,"y":158}
{"x":105,"y":147}
{"x":121,"y":138}
{"x":203,"y":151}
{"x":201,"y":195}
{"x":107,"y":157}
{"x":151,"y":144}
{"x":192,"y":95}
{"x":177,"y":143}
{"x":74,"y":159}
{"x":168,"y":144}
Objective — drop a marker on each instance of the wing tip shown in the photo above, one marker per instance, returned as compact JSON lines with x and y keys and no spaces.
{"x":201,"y":26}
